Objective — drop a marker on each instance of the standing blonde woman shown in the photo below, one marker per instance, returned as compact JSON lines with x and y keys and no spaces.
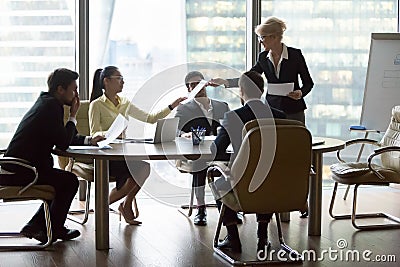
{"x":280,"y":64}
{"x":105,"y":105}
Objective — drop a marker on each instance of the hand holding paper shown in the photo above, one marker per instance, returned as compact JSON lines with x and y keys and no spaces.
{"x":96,"y":139}
{"x":195,"y":91}
{"x":117,"y":127}
{"x":296,"y":94}
{"x":281,"y":89}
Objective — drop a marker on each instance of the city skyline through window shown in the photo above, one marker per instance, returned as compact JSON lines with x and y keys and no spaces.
{"x":143,"y":40}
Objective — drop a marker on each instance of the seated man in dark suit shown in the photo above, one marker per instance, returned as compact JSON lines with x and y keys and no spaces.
{"x":39,"y":131}
{"x":251,"y":86}
{"x":205,"y":113}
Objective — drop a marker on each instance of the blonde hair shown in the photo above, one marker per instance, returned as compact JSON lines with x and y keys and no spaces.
{"x":272,"y":26}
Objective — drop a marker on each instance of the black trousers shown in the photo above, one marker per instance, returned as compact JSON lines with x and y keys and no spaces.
{"x":65,"y":185}
{"x":230,"y":216}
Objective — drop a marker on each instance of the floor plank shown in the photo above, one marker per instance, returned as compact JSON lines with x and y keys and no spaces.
{"x":168,"y":238}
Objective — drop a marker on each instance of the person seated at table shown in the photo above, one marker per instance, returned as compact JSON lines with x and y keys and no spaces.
{"x":42,"y":128}
{"x":105,"y":105}
{"x":251,"y":86}
{"x":200,"y":112}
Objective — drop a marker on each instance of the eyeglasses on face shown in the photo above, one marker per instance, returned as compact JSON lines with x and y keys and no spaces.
{"x":192,"y":84}
{"x":262,"y":38}
{"x":118,"y":77}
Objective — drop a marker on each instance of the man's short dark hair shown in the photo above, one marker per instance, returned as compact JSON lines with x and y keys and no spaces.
{"x":252,"y":84}
{"x":192,"y":74}
{"x":62,"y":77}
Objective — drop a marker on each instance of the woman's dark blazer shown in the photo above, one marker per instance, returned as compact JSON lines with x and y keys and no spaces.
{"x":290,"y":70}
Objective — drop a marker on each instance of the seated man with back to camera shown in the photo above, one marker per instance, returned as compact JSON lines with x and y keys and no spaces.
{"x":201,"y":112}
{"x":39,"y":131}
{"x":251,"y":86}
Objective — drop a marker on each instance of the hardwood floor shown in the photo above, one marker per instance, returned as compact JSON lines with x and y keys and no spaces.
{"x":167,"y":238}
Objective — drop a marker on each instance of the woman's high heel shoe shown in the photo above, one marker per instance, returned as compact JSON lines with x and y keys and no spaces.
{"x":304,"y":211}
{"x":129,"y":221}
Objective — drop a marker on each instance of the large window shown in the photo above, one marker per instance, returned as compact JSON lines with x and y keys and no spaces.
{"x":145,"y":38}
{"x":335,"y":38}
{"x":35,"y":38}
{"x":155,"y":43}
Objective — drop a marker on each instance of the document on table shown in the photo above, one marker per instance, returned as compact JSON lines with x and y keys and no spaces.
{"x":280,"y":88}
{"x":194,"y":92}
{"x":117,"y":127}
{"x":89,"y":147}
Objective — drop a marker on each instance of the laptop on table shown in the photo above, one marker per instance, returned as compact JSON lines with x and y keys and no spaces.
{"x":166,"y":130}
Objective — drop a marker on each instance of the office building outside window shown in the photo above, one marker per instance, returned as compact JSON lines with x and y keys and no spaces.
{"x":335,"y":39}
{"x":143,"y":39}
{"x":35,"y":38}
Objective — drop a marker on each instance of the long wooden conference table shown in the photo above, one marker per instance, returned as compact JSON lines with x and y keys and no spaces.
{"x":182,"y":148}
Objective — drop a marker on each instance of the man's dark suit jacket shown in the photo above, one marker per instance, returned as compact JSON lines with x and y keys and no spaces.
{"x":234,"y":122}
{"x":191,"y":115}
{"x":40,"y":130}
{"x":290,"y":70}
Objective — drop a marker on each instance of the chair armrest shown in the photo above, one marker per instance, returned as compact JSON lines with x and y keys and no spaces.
{"x":385,"y":149}
{"x":220,"y":163}
{"x":348,"y":143}
{"x":218,"y":166}
{"x":378,"y":152}
{"x":22,"y":163}
{"x":361,"y":140}
{"x":222,"y":169}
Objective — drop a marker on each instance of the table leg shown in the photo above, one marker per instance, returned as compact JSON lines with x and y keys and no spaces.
{"x":101,"y":204}
{"x":285,"y":216}
{"x":315,"y":196}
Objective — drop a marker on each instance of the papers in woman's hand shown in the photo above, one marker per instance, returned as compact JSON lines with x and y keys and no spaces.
{"x":117,"y":127}
{"x":195,"y":91}
{"x":281,"y":89}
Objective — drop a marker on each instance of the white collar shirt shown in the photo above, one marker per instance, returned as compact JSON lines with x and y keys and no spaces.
{"x":284,"y":55}
{"x":208,"y":113}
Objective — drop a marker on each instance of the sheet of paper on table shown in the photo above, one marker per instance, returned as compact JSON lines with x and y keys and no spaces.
{"x":89,"y":147}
